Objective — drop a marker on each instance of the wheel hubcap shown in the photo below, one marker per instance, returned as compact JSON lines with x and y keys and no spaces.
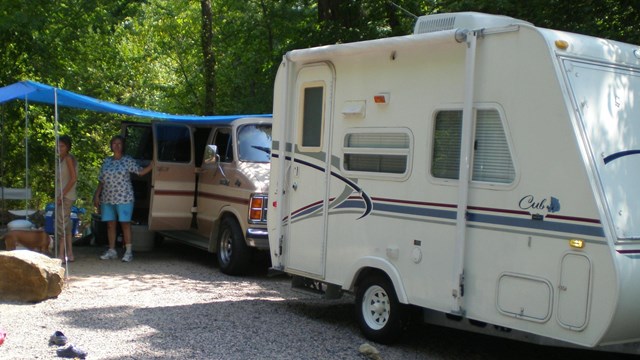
{"x":225,"y":247}
{"x":376,"y":307}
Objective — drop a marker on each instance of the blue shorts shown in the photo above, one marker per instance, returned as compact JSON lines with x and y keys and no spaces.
{"x":109,"y":211}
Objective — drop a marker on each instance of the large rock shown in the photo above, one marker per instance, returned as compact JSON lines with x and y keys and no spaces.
{"x":29,"y":276}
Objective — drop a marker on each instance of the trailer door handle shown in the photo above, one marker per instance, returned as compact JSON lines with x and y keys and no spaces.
{"x":295,"y":186}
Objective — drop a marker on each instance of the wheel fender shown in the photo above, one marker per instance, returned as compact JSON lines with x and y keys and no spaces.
{"x":381,"y":264}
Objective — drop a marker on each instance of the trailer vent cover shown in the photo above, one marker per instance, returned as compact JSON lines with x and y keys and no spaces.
{"x":428,"y":24}
{"x":463,"y":20}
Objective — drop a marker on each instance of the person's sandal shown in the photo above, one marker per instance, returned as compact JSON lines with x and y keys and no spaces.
{"x":58,"y":339}
{"x":71,"y":352}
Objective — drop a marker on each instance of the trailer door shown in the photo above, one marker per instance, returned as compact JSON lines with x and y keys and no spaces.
{"x":310,"y":169}
{"x":173,"y":193}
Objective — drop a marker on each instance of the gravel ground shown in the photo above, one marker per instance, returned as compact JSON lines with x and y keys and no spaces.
{"x":173,"y":303}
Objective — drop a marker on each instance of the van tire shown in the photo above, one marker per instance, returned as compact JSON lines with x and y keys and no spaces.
{"x":233,"y":253}
{"x":381,"y":316}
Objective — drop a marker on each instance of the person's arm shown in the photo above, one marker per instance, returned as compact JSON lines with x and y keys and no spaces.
{"x":96,"y":195}
{"x":146,"y":169}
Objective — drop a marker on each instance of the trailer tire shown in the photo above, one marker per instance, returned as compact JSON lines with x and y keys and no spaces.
{"x":381,"y":316}
{"x":233,"y":253}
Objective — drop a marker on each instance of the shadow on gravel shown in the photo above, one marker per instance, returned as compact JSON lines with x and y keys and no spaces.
{"x":170,"y":254}
{"x":249,"y":329}
{"x":272,"y":324}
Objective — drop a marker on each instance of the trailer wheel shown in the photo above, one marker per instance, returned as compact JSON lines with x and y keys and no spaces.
{"x":380,"y":315}
{"x":233,"y":253}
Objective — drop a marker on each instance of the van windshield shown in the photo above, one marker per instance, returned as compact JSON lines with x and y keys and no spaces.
{"x":254,"y":142}
{"x":609,"y":107}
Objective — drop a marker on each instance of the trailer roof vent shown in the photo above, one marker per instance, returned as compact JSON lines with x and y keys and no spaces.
{"x":462,"y":20}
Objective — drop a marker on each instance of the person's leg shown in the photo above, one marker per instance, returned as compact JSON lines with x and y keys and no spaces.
{"x":124,"y":215}
{"x":68,"y":205}
{"x":60,"y":230}
{"x":126,"y":233}
{"x":111,"y":234}
{"x":108,"y":214}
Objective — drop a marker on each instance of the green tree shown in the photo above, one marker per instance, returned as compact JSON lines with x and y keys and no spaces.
{"x":611,"y":19}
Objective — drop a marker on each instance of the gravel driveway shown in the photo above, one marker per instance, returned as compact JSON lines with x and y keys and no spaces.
{"x":173,"y":303}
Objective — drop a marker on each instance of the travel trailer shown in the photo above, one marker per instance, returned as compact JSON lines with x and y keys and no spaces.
{"x":481,"y":170}
{"x":208,"y":186}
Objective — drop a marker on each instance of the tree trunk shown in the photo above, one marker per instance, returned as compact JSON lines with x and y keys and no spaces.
{"x":328,"y":10}
{"x":209,"y":59}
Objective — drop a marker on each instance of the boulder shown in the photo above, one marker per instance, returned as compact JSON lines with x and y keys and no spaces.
{"x":29,"y":276}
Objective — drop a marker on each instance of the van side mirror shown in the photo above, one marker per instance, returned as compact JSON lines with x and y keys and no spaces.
{"x":211,"y":156}
{"x":212,"y":160}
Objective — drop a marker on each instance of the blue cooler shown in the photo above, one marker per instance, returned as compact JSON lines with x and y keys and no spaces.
{"x":50,"y":221}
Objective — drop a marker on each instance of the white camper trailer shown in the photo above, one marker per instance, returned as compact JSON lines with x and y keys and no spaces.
{"x":482,"y":170}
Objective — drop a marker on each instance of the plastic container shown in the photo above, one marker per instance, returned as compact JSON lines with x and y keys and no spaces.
{"x":142,"y":238}
{"x":49,"y":219}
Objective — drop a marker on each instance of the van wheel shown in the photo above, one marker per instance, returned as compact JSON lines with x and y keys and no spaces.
{"x":233,"y":253}
{"x":380,"y":315}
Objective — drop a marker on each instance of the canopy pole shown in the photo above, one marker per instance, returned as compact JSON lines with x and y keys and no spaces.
{"x":26,"y":157}
{"x":59,"y":210}
{"x":2,"y":121}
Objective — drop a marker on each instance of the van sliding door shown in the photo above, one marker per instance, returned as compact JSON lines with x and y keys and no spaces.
{"x":174,"y":178}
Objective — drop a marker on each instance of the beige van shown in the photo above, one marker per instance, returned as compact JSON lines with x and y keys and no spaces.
{"x":209,"y":185}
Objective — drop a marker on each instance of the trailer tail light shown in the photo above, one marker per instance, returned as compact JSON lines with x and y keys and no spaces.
{"x":258,"y":208}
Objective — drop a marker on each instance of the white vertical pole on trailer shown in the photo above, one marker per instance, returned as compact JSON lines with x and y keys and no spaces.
{"x":466,"y":153}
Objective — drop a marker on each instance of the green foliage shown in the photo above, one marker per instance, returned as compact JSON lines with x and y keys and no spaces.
{"x":611,"y":19}
{"x":148,"y":53}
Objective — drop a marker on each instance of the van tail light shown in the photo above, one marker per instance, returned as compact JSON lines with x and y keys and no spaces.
{"x":258,"y":208}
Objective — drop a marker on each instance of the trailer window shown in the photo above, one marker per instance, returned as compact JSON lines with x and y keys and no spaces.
{"x":312,"y":116}
{"x":491,"y":156}
{"x":377,"y":152}
{"x":174,"y":143}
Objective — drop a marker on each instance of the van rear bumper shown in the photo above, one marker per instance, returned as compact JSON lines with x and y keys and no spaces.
{"x":258,"y":238}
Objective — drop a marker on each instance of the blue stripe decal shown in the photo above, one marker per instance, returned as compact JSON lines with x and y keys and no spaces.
{"x":365,"y":197}
{"x":620,"y":154}
{"x":537,"y":224}
{"x":481,"y":218}
{"x":412,"y":210}
{"x":429,"y":212}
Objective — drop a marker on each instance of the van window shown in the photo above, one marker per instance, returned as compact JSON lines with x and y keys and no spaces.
{"x":312,"y":116}
{"x":378,"y":152}
{"x":223,"y":141}
{"x":174,"y":143}
{"x":492,"y":160}
{"x":254,"y":142}
{"x":200,"y":140}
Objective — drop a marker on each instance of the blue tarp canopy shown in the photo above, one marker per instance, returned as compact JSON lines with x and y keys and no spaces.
{"x":31,"y":92}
